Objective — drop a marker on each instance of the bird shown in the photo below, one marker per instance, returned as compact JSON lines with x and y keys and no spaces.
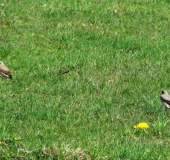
{"x":4,"y":70}
{"x":165,"y":99}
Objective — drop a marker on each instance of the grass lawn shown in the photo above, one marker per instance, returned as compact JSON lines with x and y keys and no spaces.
{"x":84,"y":72}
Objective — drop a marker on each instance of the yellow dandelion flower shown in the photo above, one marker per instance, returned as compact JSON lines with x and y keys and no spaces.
{"x":141,"y":125}
{"x":17,"y":138}
{"x":1,"y":142}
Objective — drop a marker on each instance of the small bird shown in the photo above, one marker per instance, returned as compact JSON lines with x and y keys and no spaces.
{"x":165,"y":99}
{"x":4,"y":70}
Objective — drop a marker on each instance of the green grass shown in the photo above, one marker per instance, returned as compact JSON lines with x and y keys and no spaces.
{"x":84,"y":72}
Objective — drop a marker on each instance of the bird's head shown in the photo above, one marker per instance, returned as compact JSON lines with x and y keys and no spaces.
{"x":164,"y":92}
{"x":1,"y":63}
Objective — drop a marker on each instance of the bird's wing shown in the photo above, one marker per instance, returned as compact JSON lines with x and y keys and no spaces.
{"x":165,"y":99}
{"x":6,"y":72}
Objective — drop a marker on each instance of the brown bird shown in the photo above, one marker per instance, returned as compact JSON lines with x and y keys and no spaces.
{"x":165,"y":99}
{"x":4,"y":70}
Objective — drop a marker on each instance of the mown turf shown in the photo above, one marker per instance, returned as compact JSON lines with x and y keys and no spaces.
{"x":84,"y":72}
